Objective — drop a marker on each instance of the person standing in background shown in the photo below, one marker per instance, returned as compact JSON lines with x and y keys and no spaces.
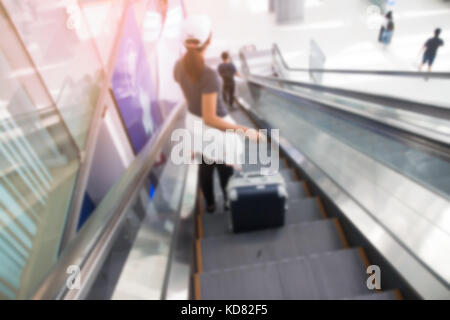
{"x":227,"y":71}
{"x":430,"y":49}
{"x":387,"y":29}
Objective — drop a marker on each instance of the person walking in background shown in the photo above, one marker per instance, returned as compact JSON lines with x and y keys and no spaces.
{"x":430,"y":49}
{"x":387,"y":29}
{"x":227,"y":71}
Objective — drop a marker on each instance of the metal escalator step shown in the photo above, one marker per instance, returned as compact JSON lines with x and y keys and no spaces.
{"x":299,"y":210}
{"x":288,"y":175}
{"x":384,"y":295}
{"x":303,"y":210}
{"x":333,"y":275}
{"x":341,"y":274}
{"x":236,"y":250}
{"x":295,"y":191}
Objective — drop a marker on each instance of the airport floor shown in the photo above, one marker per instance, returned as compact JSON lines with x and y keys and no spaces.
{"x":354,"y":44}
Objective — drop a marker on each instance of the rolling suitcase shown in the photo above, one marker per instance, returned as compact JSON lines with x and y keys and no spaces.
{"x":256,"y":201}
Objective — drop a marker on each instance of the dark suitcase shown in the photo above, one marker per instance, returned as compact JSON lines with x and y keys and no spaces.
{"x":256,"y":201}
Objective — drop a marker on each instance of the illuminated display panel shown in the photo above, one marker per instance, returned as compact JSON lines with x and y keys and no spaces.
{"x":133,"y":88}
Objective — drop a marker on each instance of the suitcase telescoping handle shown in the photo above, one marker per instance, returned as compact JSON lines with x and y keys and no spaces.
{"x":247,"y":175}
{"x":251,"y":174}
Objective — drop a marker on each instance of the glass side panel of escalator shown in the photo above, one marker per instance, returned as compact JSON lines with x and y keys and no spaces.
{"x":289,"y":113}
{"x":50,"y":76}
{"x":136,"y":266}
{"x":38,"y":168}
{"x":57,"y":38}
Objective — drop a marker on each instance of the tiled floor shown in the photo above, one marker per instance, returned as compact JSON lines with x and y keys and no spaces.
{"x":343,"y":33}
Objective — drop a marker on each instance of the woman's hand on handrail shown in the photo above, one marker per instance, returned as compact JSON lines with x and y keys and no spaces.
{"x":254,"y":135}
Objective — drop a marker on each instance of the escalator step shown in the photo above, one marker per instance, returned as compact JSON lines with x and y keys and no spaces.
{"x":299,"y":210}
{"x":295,"y":191}
{"x":231,"y":251}
{"x":288,"y":175}
{"x":333,"y":275}
{"x":303,"y":210}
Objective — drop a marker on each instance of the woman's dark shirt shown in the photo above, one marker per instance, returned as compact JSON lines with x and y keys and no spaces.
{"x":209,"y":83}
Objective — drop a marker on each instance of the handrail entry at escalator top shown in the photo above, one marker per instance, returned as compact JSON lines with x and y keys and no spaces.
{"x":440,"y":75}
{"x":441,"y":111}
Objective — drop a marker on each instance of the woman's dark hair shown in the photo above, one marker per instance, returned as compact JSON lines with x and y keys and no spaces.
{"x":389,"y":15}
{"x":437,"y":32}
{"x":193,"y":59}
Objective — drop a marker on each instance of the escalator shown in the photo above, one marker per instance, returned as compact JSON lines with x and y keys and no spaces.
{"x":364,"y":192}
{"x":362,"y":195}
{"x":308,"y":258}
{"x":384,"y":153}
{"x":367,"y":172}
{"x":351,"y":206}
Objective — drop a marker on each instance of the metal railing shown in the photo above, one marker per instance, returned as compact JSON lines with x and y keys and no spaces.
{"x":410,"y":105}
{"x":276,"y":52}
{"x":404,"y":120}
{"x":90,"y":247}
{"x":432,"y":129}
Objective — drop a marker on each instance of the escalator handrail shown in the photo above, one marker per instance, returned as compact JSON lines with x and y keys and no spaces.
{"x":436,"y":136}
{"x":90,"y":247}
{"x":413,"y":74}
{"x":444,"y":112}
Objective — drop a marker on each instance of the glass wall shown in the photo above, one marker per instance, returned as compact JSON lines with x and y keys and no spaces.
{"x":103,"y":20}
{"x":38,"y":168}
{"x":54,"y":57}
{"x":57,"y":38}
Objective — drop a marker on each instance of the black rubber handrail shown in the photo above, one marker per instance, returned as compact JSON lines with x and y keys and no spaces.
{"x":413,"y":74}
